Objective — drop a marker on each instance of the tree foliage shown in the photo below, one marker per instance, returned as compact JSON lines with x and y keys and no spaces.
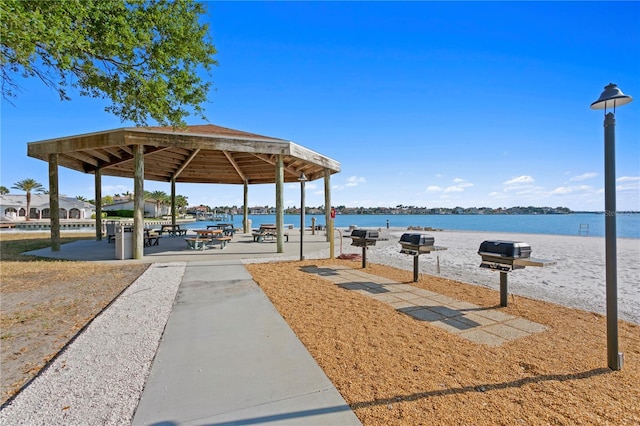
{"x":29,"y":185}
{"x":145,"y":56}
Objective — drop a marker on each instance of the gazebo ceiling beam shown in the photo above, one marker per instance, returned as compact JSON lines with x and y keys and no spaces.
{"x":112,"y":151}
{"x":272,"y":160}
{"x":185,"y":163}
{"x":99,"y":155}
{"x":87,"y":159}
{"x":129,"y":156}
{"x":235,"y":165}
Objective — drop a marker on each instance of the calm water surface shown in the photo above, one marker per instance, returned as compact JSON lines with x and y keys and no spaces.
{"x":628,"y":225}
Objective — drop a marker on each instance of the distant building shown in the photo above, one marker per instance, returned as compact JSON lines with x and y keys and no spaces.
{"x":14,"y":207}
{"x":150,"y":207}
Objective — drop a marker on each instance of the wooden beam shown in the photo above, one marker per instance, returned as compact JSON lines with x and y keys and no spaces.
{"x":111,"y":138}
{"x":245,"y":209}
{"x":235,"y":165}
{"x":114,"y":151}
{"x":138,"y":203}
{"x":270,"y":160}
{"x":99,"y":155}
{"x":173,"y":202}
{"x":85,"y":158}
{"x":279,"y":204}
{"x":327,"y":209}
{"x":54,"y":202}
{"x":185,"y":163}
{"x":98,"y":200}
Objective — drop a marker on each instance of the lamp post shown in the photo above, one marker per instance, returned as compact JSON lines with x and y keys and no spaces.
{"x":302,"y":180}
{"x":610,"y":98}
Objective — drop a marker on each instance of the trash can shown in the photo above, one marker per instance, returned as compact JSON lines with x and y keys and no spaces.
{"x":124,"y":243}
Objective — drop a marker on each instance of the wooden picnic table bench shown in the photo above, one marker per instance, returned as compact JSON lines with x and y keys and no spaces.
{"x":151,"y":238}
{"x":260,"y":234}
{"x":196,"y":243}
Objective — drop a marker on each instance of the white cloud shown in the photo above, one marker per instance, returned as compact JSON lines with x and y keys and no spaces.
{"x":355,"y":181}
{"x":628,"y":183}
{"x":520,"y":180}
{"x":628,"y":179}
{"x":454,"y":189}
{"x":583,"y":176}
{"x":570,"y":189}
{"x":434,"y":188}
{"x":461,"y":184}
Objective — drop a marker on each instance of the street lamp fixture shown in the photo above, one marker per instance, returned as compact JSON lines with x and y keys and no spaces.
{"x":609,"y":99}
{"x":302,"y":179}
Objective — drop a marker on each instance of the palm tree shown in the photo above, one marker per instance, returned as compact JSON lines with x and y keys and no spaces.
{"x":181,"y":203}
{"x":4,"y":190}
{"x":160,"y":197}
{"x":28,"y":185}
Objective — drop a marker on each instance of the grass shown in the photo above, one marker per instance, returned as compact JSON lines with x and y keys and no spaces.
{"x":13,"y":245}
{"x":46,"y":302}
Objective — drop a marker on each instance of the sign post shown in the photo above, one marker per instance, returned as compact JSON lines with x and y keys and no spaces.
{"x":330,"y":230}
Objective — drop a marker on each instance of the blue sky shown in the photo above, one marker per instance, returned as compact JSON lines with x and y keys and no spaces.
{"x":437,"y":104}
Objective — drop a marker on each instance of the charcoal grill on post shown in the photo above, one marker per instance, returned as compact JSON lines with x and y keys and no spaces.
{"x":364,"y":238}
{"x":506,"y":256}
{"x":416,"y":244}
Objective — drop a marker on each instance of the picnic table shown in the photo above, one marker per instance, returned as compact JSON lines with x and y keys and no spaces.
{"x":206,"y":237}
{"x":227,"y":228}
{"x":266,"y":231}
{"x":172,"y":230}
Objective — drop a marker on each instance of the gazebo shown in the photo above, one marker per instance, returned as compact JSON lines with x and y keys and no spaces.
{"x":195,"y":154}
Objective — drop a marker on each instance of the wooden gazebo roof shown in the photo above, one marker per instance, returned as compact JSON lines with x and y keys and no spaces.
{"x":196,"y":154}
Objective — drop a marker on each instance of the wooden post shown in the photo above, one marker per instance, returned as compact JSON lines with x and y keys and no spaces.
{"x":173,"y":203}
{"x":245,"y":209}
{"x":138,"y":202}
{"x":327,"y":206}
{"x":98,"y":201}
{"x":280,"y":204}
{"x":54,"y":202}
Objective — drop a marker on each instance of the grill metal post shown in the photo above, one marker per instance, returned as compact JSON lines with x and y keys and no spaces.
{"x":503,"y":289}
{"x":415,"y":268}
{"x":364,"y":256}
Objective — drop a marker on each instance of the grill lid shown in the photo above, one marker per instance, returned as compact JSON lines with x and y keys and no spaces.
{"x":416,"y":239}
{"x":505,"y":249}
{"x":364,"y":234}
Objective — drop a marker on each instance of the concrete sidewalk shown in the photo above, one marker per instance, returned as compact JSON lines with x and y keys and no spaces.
{"x":228,"y":357}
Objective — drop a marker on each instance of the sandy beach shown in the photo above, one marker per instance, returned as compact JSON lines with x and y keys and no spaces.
{"x":577,"y":280}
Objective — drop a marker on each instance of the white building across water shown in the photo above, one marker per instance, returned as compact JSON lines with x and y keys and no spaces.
{"x":14,"y":207}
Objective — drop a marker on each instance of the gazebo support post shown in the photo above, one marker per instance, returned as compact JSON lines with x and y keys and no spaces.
{"x":138,"y":202}
{"x":98,"y":200}
{"x":280,"y":203}
{"x":173,"y":202}
{"x":327,"y":205}
{"x":54,"y":202}
{"x":245,"y":208}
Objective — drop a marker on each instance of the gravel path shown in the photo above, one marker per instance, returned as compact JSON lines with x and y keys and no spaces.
{"x":107,"y":364}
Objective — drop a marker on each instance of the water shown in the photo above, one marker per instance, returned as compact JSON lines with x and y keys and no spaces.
{"x":628,"y":225}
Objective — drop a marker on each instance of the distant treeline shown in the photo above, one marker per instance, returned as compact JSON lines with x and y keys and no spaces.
{"x":412,"y":210}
